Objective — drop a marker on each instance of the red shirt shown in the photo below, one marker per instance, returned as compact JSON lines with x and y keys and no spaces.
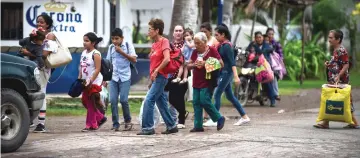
{"x":199,"y":80}
{"x":157,"y":55}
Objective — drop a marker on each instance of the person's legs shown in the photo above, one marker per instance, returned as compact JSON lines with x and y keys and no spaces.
{"x":124,"y":94}
{"x":198,"y":110}
{"x":176,"y":99}
{"x":224,"y":80}
{"x":178,"y":77}
{"x":40,"y":128}
{"x":205,"y":102}
{"x":185,"y":75}
{"x":114,"y":96}
{"x":230,"y":96}
{"x":271,"y":93}
{"x":162,"y":104}
{"x":156,"y":90}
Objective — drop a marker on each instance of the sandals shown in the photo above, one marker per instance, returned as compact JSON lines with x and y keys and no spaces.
{"x":351,"y":126}
{"x":321,"y":126}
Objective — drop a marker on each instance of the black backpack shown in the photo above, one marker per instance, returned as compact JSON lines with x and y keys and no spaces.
{"x":106,"y":69}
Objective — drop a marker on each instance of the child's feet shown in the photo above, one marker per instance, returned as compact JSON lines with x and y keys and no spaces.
{"x":183,"y":81}
{"x":176,"y":80}
{"x":40,"y":128}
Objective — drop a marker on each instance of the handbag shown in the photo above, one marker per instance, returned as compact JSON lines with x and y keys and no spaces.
{"x":76,"y":88}
{"x":61,"y":57}
{"x":335,"y":104}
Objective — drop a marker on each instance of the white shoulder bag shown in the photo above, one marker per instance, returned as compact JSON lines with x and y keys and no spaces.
{"x":61,"y":57}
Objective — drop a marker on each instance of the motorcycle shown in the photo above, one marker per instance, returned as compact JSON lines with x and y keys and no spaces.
{"x":249,"y":89}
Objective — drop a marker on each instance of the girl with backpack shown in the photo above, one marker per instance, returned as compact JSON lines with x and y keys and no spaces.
{"x":228,"y":73}
{"x":90,"y":66}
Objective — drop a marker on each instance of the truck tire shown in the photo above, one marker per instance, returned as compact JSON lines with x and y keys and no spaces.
{"x":15,"y":114}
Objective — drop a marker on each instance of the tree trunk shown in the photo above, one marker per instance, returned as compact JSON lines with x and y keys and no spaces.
{"x":206,"y":11}
{"x":137,"y":31}
{"x":303,"y":50}
{"x":185,"y":12}
{"x":274,"y":16}
{"x":253,"y":24}
{"x":228,"y":13}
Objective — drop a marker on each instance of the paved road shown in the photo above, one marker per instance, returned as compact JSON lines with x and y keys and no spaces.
{"x":289,"y":134}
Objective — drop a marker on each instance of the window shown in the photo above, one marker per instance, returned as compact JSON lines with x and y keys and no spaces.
{"x":11,"y":21}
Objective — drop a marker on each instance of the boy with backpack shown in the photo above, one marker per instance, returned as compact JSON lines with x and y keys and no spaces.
{"x":121,"y":55}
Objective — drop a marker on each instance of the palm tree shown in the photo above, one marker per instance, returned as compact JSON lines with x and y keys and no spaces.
{"x":185,"y":12}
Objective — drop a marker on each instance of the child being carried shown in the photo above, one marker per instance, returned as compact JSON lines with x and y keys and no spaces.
{"x":187,"y":50}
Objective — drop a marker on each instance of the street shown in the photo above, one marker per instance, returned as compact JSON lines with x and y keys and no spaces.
{"x":288,"y":134}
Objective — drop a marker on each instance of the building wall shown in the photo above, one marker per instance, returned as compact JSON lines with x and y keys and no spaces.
{"x":69,"y":26}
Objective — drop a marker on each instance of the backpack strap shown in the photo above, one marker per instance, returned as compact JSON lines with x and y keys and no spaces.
{"x":132,"y":65}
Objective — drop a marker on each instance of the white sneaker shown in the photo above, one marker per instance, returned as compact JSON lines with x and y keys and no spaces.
{"x":180,"y":126}
{"x":242,"y":121}
{"x":210,"y":123}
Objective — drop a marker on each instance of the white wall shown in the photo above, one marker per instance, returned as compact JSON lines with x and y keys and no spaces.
{"x":152,"y":9}
{"x":69,"y":26}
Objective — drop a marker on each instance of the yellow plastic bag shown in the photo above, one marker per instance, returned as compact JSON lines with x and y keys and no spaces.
{"x":335,"y":104}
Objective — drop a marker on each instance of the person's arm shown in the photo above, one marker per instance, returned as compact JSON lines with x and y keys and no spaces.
{"x":131,"y":58}
{"x":221,"y":63}
{"x":163,"y":64}
{"x":27,"y":53}
{"x":279,"y":50}
{"x":344,"y":57}
{"x":190,"y":44}
{"x":97,"y":60}
{"x":165,"y":61}
{"x":80,"y":70}
{"x":190,"y":65}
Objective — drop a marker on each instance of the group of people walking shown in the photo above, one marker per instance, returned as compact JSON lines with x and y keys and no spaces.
{"x":196,"y":49}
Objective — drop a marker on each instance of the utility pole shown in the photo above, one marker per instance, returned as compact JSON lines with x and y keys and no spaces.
{"x":220,"y":11}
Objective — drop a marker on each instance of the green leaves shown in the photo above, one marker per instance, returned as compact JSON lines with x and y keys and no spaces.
{"x":314,"y":58}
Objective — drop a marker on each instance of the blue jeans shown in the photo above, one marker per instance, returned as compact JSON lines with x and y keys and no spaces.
{"x":270,"y":92}
{"x":122,"y":89}
{"x":224,"y":85}
{"x":173,"y":113}
{"x":275,"y":86}
{"x":158,"y":95}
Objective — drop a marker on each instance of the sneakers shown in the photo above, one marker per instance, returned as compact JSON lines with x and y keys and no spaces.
{"x":242,"y":121}
{"x":210,"y":123}
{"x":180,"y":126}
{"x":88,"y":129}
{"x":116,"y":129}
{"x":128,"y":126}
{"x":32,"y":125}
{"x":40,"y":128}
{"x":151,"y":132}
{"x":220,"y":123}
{"x":197,"y":130}
{"x":174,"y":130}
